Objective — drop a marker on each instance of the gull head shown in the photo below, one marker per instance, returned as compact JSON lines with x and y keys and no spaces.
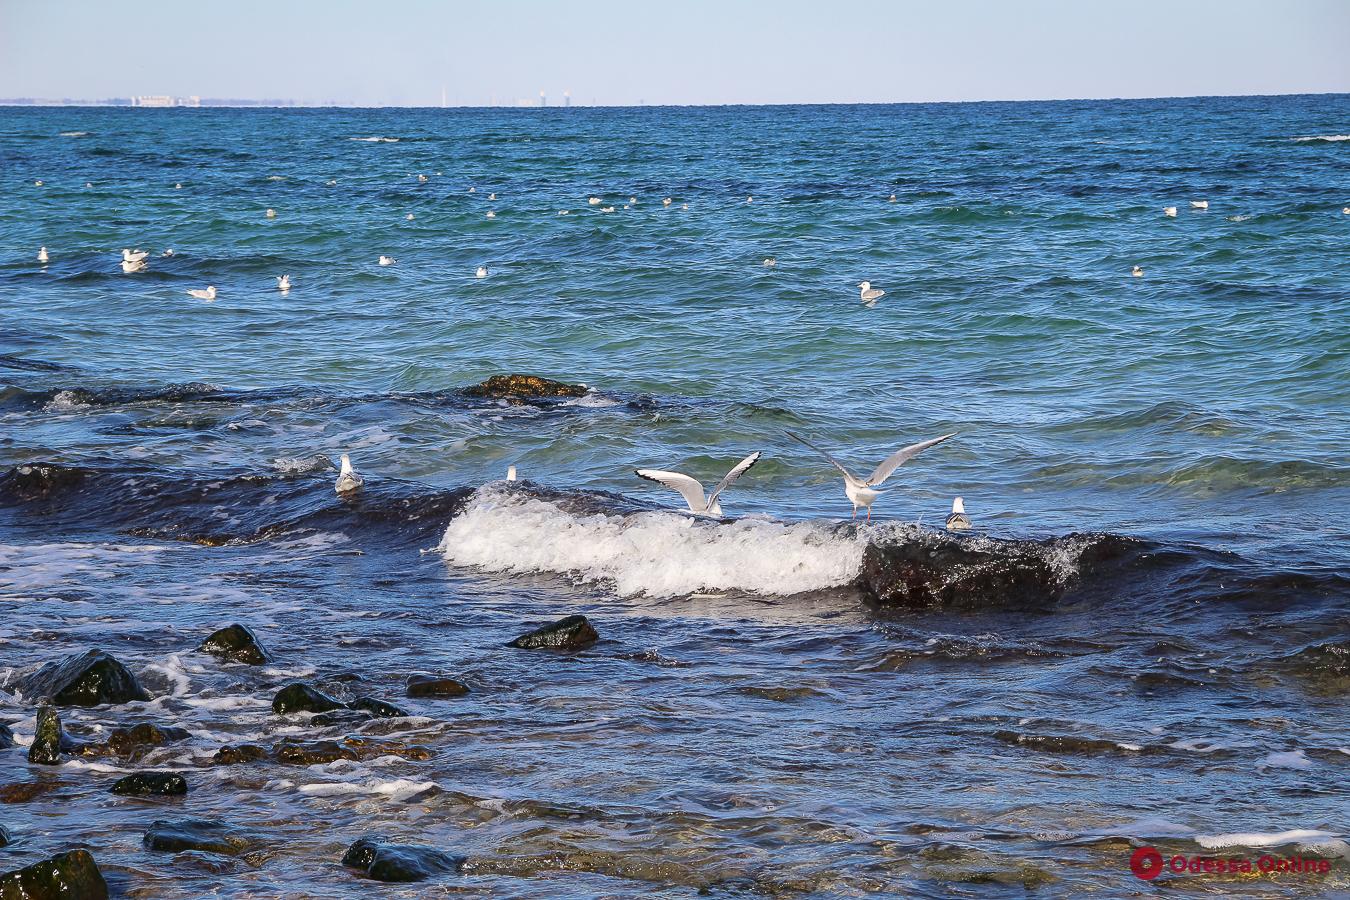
{"x":958,"y":505}
{"x":865,"y":285}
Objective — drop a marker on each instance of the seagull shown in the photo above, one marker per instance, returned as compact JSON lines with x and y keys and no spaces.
{"x":1346,"y":211}
{"x":510,"y":473}
{"x":564,"y":212}
{"x":132,"y":266}
{"x":958,"y":520}
{"x":410,"y":217}
{"x":632,"y":200}
{"x":749,"y":199}
{"x":666,"y":202}
{"x":861,"y":492}
{"x":869,"y":293}
{"x":692,"y":491}
{"x":348,"y":480}
{"x":472,"y":189}
{"x":208,"y":294}
{"x":132,"y":256}
{"x":421,"y":179}
{"x":42,"y":254}
{"x":1199,"y":204}
{"x":607,"y":209}
{"x":492,"y":196}
{"x":168,"y":251}
{"x":387,"y":260}
{"x":178,"y":186}
{"x":332,"y":182}
{"x":481,"y":272}
{"x":770,"y":261}
{"x":890,"y":199}
{"x":88,"y":184}
{"x":491,"y":214}
{"x":271,"y":213}
{"x":684,"y":206}
{"x":1137,"y":272}
{"x":594,"y":201}
{"x":1170,"y":212}
{"x":37,"y":183}
{"x":284,"y":283}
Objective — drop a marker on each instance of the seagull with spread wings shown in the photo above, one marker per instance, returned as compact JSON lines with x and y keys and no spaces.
{"x":692,"y":490}
{"x":861,"y":492}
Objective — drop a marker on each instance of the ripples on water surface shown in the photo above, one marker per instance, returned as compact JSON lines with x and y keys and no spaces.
{"x":747,"y":724}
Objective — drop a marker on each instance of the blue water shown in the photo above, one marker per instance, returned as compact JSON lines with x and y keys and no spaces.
{"x":747,"y":723}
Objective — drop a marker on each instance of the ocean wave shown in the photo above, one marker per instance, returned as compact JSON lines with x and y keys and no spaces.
{"x":376,"y":139}
{"x":1332,"y":138}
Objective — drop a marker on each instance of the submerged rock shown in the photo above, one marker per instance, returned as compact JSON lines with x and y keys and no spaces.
{"x":571,"y":633}
{"x":235,"y":643}
{"x":136,"y":740}
{"x":240,"y":753}
{"x":24,"y":791}
{"x":151,"y":784}
{"x":378,"y":708}
{"x":523,"y":387}
{"x":50,"y":739}
{"x":65,"y":876}
{"x":199,"y":834}
{"x":300,"y":697}
{"x":4,"y":836}
{"x":86,"y":679}
{"x":435,"y":686}
{"x":6,"y":737}
{"x":39,"y":482}
{"x":399,"y":862}
{"x":308,"y":753}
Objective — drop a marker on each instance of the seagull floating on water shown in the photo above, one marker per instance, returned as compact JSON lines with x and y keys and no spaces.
{"x":1137,"y":272}
{"x":890,"y":199}
{"x":387,"y":260}
{"x":564,"y":212}
{"x":421,"y":179}
{"x":491,"y":214}
{"x":1199,"y":204}
{"x":481,"y":272}
{"x":958,"y":520}
{"x":208,"y":294}
{"x":348,"y":480}
{"x":870,"y":294}
{"x":492,"y":196}
{"x":271,"y":214}
{"x":37,"y":183}
{"x":133,"y":255}
{"x":692,"y":490}
{"x":168,"y":251}
{"x":130,"y":266}
{"x":684,"y":206}
{"x":409,"y":217}
{"x":1346,"y":211}
{"x":594,"y":201}
{"x":42,"y":254}
{"x":1170,"y":212}
{"x":472,"y":189}
{"x":666,"y":202}
{"x":607,"y":209}
{"x":633,"y":201}
{"x":332,"y":182}
{"x":770,"y":261}
{"x":749,"y":199}
{"x":861,"y":492}
{"x":284,"y":283}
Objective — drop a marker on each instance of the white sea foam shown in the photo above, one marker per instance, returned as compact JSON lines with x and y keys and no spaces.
{"x":376,"y":139}
{"x":65,"y":401}
{"x":1324,"y":842}
{"x":657,"y":553}
{"x":74,"y":134}
{"x":1294,"y":759}
{"x":1325,"y":137}
{"x":393,"y":788}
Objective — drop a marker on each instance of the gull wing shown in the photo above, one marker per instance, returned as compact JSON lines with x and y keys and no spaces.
{"x":690,"y":489}
{"x":900,"y":457}
{"x":741,"y":468}
{"x":834,"y":462}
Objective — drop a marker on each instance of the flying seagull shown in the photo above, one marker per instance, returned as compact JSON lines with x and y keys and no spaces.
{"x":861,"y":492}
{"x":692,"y":490}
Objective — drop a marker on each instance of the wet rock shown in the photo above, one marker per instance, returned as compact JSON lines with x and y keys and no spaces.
{"x":235,"y":643}
{"x":6,"y":737}
{"x":399,"y":862}
{"x":5,"y":839}
{"x":571,"y":633}
{"x":137,"y":740}
{"x":435,"y":686}
{"x":308,"y":753}
{"x":372,"y":748}
{"x":241,"y":753}
{"x":86,"y":679}
{"x":50,"y":739}
{"x":301,"y":697}
{"x":151,"y":784}
{"x":1067,"y":743}
{"x":342,"y":718}
{"x":378,"y":708}
{"x":200,"y":834}
{"x":38,"y":482}
{"x":24,"y":791}
{"x":522,"y":387}
{"x":65,"y":876}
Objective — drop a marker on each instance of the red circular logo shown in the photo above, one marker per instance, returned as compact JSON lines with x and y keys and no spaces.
{"x":1146,"y":863}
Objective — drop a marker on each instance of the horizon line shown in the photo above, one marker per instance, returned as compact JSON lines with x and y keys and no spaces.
{"x":278,"y":103}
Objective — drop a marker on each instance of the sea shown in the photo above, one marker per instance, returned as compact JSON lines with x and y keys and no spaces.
{"x":1143,"y":641}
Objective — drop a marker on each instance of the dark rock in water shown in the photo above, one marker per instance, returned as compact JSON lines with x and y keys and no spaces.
{"x":435,"y":686}
{"x":38,"y":482}
{"x":237,"y":644}
{"x":137,"y":739}
{"x":378,"y":708}
{"x":340,"y":718}
{"x":1067,"y":743}
{"x":6,"y":737}
{"x":4,"y":836}
{"x":151,"y":784}
{"x":399,"y":862}
{"x":571,"y":633}
{"x":87,"y":679}
{"x":49,"y":739}
{"x":523,"y":387}
{"x":24,"y":791}
{"x":241,"y":753}
{"x":308,"y":753}
{"x":373,"y":748}
{"x":200,"y":834}
{"x":65,"y":876}
{"x":301,"y":697}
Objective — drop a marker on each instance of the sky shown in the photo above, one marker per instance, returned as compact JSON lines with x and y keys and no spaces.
{"x":625,"y":52}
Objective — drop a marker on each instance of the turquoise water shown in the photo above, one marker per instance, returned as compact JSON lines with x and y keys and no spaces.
{"x":743,"y":694}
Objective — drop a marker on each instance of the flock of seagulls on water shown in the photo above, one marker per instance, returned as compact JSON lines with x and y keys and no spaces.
{"x":861,"y":492}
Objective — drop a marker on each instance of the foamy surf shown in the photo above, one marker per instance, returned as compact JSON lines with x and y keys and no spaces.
{"x":660,"y":554}
{"x":375,"y":139}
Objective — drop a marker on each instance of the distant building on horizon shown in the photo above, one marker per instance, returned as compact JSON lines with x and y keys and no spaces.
{"x":164,"y":101}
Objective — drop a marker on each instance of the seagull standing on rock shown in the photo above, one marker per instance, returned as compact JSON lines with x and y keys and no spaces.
{"x":862,"y":492}
{"x":692,"y":490}
{"x":958,"y":520}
